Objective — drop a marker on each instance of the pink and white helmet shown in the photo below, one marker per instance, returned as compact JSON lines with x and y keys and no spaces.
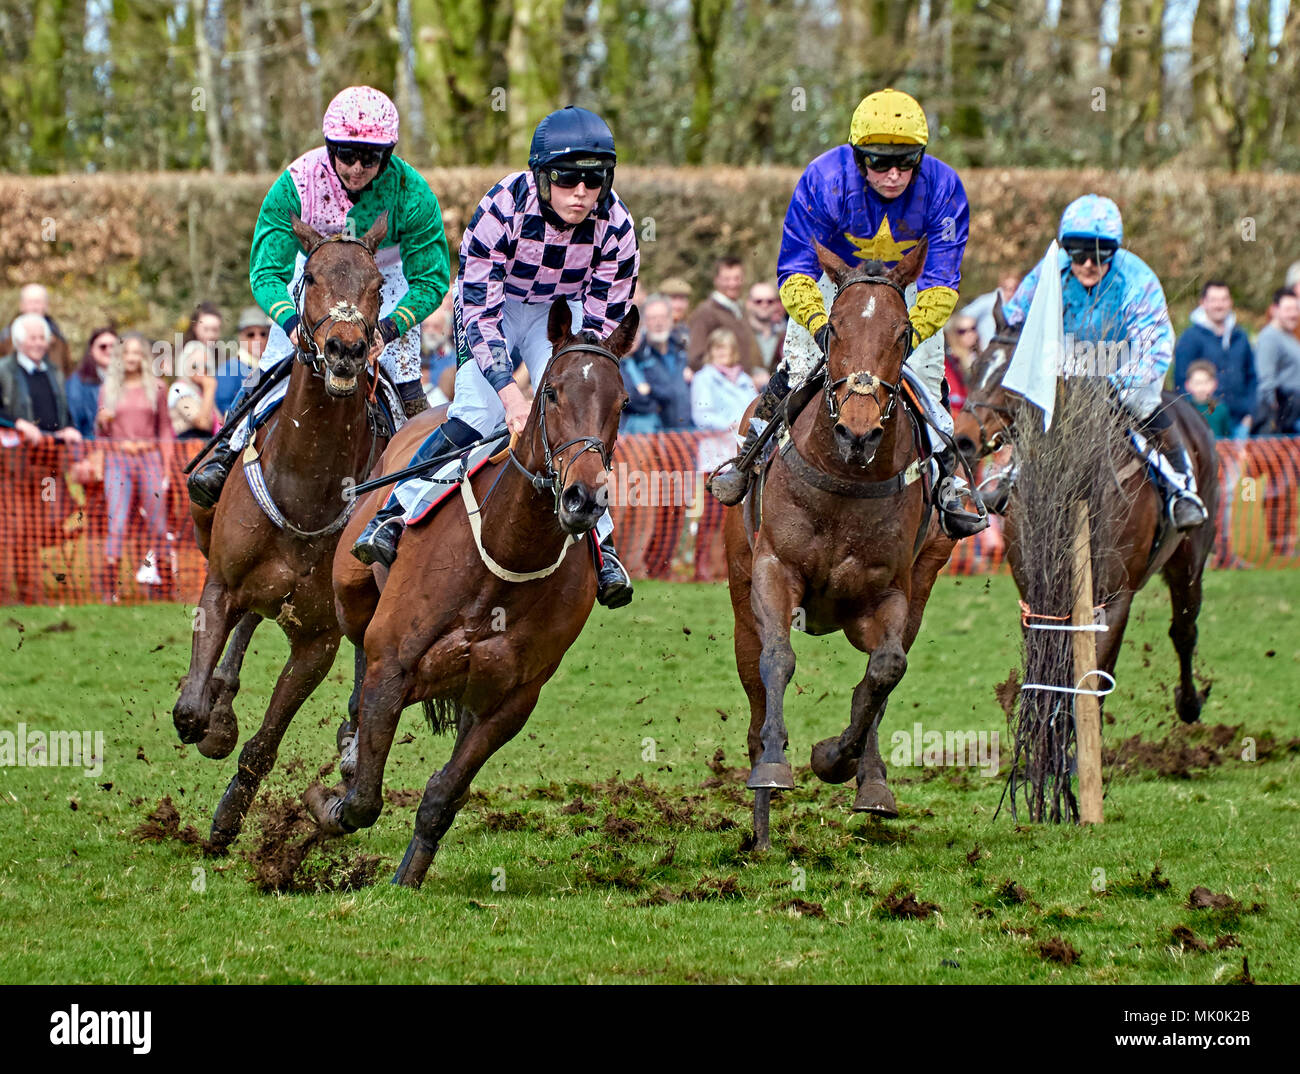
{"x":361,"y":114}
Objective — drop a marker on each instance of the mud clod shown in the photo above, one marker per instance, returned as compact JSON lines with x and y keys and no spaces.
{"x":1059,"y":950}
{"x":902,"y":903}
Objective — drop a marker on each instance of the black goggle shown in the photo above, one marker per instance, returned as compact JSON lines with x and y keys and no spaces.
{"x":881,"y":160}
{"x":592,"y":178}
{"x":367,"y":158}
{"x":1099,"y":253}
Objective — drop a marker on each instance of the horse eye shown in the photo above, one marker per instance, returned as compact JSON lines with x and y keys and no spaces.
{"x":623,"y":406}
{"x":308,"y":279}
{"x":549,"y":393}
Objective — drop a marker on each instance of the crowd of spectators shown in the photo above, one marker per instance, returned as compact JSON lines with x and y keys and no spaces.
{"x":696,"y":367}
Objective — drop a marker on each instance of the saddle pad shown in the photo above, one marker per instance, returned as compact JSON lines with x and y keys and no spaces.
{"x":421,"y":496}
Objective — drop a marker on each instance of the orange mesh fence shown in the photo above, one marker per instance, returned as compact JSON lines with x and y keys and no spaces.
{"x":98,"y":522}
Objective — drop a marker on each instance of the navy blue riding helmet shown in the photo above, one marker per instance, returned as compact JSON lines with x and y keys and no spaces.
{"x":572,"y":139}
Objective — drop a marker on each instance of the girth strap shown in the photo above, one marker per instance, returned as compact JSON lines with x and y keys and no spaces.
{"x":843,"y":486}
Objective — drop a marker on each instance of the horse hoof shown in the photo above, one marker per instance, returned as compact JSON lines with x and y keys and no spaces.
{"x":1187,"y":706}
{"x":326,"y":808}
{"x":875,"y":797}
{"x":776,"y":775}
{"x":418,"y":858}
{"x":831,"y":763}
{"x":221,"y":838}
{"x":223,"y":734}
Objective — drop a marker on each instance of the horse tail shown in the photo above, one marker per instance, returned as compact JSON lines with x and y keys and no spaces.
{"x":442,"y":714}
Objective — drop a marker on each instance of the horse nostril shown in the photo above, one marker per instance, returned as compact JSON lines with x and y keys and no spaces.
{"x":358,"y":350}
{"x":575,"y":499}
{"x":873,"y":438}
{"x":966,"y":445}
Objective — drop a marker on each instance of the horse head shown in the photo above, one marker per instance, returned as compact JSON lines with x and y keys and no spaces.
{"x":340,"y":301}
{"x":984,"y":424}
{"x":574,"y":421}
{"x":870,"y":340}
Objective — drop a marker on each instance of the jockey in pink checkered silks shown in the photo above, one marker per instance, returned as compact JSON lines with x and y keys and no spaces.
{"x":343,"y":186}
{"x":555,"y":230}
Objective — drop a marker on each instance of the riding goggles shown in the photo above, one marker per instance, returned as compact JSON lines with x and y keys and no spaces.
{"x":367,"y":158}
{"x":592,"y":178}
{"x":1098,"y":251}
{"x":882,"y":159}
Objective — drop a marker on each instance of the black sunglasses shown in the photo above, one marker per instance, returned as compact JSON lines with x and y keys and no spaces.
{"x":349,"y":155}
{"x":570,"y":177}
{"x":883,"y":160}
{"x":1098,"y":253}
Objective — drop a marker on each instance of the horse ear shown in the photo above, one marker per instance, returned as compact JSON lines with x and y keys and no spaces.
{"x":623,"y":338}
{"x":377,"y":233}
{"x":834,"y":267}
{"x":907,"y":270}
{"x":306,"y":235}
{"x":559,"y":324}
{"x":999,"y":318}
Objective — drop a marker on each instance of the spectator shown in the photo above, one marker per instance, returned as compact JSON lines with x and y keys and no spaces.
{"x":981,"y":308}
{"x":766,"y":318}
{"x":678,"y":293}
{"x":437,"y":351}
{"x":658,"y":396}
{"x":723,"y":309}
{"x":34,"y":298}
{"x":1277,"y":358}
{"x":720,"y":393}
{"x":191,"y":399}
{"x":1202,"y":383}
{"x":32,"y":387}
{"x":133,"y":416}
{"x":443,"y":390}
{"x":960,"y":339}
{"x":254,"y":330}
{"x":1215,"y":336}
{"x":83,"y":385}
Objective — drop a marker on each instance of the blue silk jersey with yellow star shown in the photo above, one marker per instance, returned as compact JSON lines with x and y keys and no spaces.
{"x":834,"y":205}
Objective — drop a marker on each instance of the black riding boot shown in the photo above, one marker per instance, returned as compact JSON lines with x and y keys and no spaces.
{"x":1186,"y":509}
{"x":378,"y":541}
{"x":613,"y":583}
{"x":206,"y":483}
{"x":729,"y":486}
{"x":949,"y":495}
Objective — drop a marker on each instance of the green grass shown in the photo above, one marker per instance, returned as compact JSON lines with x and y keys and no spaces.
{"x":589,"y":898}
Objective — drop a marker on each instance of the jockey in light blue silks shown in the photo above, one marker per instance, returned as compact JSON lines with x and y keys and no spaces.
{"x":1111,"y":296}
{"x":873,"y":200}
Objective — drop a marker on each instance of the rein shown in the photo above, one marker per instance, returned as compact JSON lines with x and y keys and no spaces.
{"x":989,"y":446}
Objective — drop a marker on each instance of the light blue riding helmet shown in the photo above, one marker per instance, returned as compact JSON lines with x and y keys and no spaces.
{"x":1092,"y":217}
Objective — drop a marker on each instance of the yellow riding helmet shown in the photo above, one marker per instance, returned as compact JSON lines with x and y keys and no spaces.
{"x":889,"y":117}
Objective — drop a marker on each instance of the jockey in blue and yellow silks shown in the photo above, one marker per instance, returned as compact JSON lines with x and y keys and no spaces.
{"x":873,"y":199}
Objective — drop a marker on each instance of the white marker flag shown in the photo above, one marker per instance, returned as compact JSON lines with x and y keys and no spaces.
{"x":1040,"y":354}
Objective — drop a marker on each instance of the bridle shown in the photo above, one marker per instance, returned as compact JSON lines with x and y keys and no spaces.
{"x":990,"y":445}
{"x":308,"y":352}
{"x":863,"y":383}
{"x":549,"y":479}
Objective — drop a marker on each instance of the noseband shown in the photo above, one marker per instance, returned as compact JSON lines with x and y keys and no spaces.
{"x":863,"y":383}
{"x":308,"y":352}
{"x":549,"y":479}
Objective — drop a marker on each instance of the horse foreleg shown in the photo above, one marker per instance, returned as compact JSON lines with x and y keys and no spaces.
{"x":448,"y":789}
{"x":1183,"y":574}
{"x":775,"y":594}
{"x":885,"y":670}
{"x":748,"y":650}
{"x":309,"y":662}
{"x":383,"y":694}
{"x":347,"y":733}
{"x":223,"y":727}
{"x":213,"y":620}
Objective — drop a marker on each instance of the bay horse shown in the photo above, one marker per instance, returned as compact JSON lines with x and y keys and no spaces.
{"x":447,"y":627}
{"x":324,"y":437}
{"x":1147,"y":545}
{"x":845,"y":541}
